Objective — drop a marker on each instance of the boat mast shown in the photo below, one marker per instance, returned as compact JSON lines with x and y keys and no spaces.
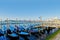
{"x":7,"y":23}
{"x":16,"y":21}
{"x":0,"y":23}
{"x":40,"y":20}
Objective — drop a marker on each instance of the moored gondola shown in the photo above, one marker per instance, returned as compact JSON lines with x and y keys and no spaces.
{"x":11,"y":35}
{"x":22,"y":32}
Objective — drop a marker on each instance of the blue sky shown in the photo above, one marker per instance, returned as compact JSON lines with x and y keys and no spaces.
{"x":29,"y":9}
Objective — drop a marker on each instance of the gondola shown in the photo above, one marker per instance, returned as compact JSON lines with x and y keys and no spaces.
{"x":11,"y":35}
{"x":33,"y":31}
{"x":2,"y":33}
{"x":22,"y":33}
